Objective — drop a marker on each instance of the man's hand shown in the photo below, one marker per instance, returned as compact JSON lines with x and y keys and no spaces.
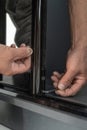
{"x":69,"y":83}
{"x":76,"y":67}
{"x":14,"y":60}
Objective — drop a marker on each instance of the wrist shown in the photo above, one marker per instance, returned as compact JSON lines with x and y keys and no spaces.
{"x":79,"y":44}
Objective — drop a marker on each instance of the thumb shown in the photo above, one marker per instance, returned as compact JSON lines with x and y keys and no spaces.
{"x":66,"y":80}
{"x":22,"y":52}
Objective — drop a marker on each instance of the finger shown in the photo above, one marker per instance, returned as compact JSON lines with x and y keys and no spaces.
{"x":23,"y":45}
{"x":13,"y":46}
{"x":27,"y":65}
{"x":54,"y":79}
{"x":73,"y":90}
{"x":66,"y":80}
{"x":19,"y":67}
{"x":20,"y":53}
{"x":27,"y":62}
{"x":55,"y":84}
{"x":57,"y":74}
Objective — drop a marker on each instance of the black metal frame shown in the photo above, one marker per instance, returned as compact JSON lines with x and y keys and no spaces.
{"x":39,"y":36}
{"x":2,"y":22}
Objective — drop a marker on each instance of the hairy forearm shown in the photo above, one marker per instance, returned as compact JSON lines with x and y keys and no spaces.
{"x":78,"y":18}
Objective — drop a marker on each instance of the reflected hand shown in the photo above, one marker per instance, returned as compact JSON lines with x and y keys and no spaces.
{"x":23,"y":60}
{"x":75,"y":76}
{"x":14,"y":60}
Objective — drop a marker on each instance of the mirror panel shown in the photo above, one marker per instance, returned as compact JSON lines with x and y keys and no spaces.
{"x":18,"y":30}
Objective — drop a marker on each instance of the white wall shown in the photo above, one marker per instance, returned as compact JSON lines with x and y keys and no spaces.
{"x":10,"y":31}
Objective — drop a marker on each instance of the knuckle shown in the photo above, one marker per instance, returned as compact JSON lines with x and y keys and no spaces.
{"x":73,"y":70}
{"x":8,"y":74}
{"x":10,"y":53}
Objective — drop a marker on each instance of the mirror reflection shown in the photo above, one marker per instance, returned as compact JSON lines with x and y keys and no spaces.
{"x":18,"y":32}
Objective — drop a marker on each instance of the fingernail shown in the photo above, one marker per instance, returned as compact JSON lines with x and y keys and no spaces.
{"x":23,"y":45}
{"x":52,"y":77}
{"x":61,"y":86}
{"x":30,"y":51}
{"x":13,"y":45}
{"x":55,"y":84}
